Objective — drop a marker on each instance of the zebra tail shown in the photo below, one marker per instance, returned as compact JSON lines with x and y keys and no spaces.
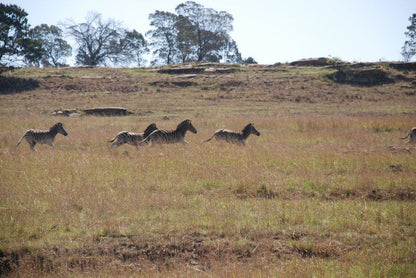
{"x":144,"y":141}
{"x":209,"y":139}
{"x":406,"y":136}
{"x":112,"y":140}
{"x":147,"y":139}
{"x":18,"y":143}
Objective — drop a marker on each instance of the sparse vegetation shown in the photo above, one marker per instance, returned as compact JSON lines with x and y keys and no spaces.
{"x":319,"y":193}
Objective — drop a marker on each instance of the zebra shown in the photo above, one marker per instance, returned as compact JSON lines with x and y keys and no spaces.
{"x":131,"y":138}
{"x":34,"y":136}
{"x":170,"y":136}
{"x":235,"y":137}
{"x":412,"y":135}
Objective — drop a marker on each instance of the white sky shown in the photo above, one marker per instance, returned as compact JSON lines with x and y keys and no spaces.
{"x":268,"y":30}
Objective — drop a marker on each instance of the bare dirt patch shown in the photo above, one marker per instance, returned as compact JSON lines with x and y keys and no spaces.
{"x":196,"y":250}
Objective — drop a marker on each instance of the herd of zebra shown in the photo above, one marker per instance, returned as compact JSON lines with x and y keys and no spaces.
{"x":151,"y":135}
{"x":156,"y":136}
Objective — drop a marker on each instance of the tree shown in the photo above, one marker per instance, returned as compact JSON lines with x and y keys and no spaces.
{"x":98,"y":41}
{"x":32,"y":52}
{"x":163,"y":37}
{"x":194,"y":33}
{"x":135,"y":47}
{"x":185,"y":39}
{"x":210,"y":30}
{"x":231,"y":52}
{"x":13,"y":33}
{"x":55,"y":48}
{"x":249,"y":60}
{"x":409,"y":47}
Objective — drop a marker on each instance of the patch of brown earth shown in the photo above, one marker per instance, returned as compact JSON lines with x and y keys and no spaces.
{"x":196,"y":250}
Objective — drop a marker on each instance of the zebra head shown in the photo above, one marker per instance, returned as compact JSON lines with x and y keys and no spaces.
{"x":250,"y":129}
{"x":152,"y":127}
{"x":191,"y":127}
{"x":186,"y":125}
{"x":58,"y":128}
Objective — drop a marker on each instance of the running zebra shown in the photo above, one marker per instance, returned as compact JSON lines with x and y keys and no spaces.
{"x":34,"y":136}
{"x":235,"y":137}
{"x":170,"y":136}
{"x":412,"y":135}
{"x":131,"y":138}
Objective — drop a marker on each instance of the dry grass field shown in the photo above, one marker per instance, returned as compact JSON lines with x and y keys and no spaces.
{"x":327,"y":190}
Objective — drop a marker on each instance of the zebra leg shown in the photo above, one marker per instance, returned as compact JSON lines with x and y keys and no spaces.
{"x":32,"y":145}
{"x":50,"y":143}
{"x":155,"y":139}
{"x":154,"y":142}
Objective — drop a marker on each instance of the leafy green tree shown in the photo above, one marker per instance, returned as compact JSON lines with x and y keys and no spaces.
{"x":32,"y":52}
{"x":409,"y":47}
{"x":55,"y":48}
{"x":249,"y":60}
{"x":98,"y":41}
{"x":14,"y":28}
{"x":194,"y":33}
{"x":185,"y":39}
{"x":163,"y":37}
{"x":231,"y":52}
{"x":210,"y":30}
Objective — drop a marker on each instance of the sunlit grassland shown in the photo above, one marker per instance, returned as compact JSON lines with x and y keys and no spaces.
{"x":306,"y":175}
{"x":317,"y":193}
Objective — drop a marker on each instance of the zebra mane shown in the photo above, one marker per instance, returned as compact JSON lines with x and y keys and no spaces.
{"x":246,"y":129}
{"x":55,"y":126}
{"x":183,"y":125}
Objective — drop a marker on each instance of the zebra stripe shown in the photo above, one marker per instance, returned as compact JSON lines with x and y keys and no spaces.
{"x":234,"y":137}
{"x":170,"y":136}
{"x":125,"y":137}
{"x":412,"y":135}
{"x":33,"y":136}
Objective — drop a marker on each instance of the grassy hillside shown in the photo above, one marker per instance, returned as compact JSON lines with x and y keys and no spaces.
{"x":327,"y":189}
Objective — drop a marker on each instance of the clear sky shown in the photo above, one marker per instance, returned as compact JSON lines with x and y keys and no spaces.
{"x":270,"y":31}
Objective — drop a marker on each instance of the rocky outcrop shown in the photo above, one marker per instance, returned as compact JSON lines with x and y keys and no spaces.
{"x":107,"y":111}
{"x":362,"y":77}
{"x":313,"y":62}
{"x":190,"y":69}
{"x":403,"y":66}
